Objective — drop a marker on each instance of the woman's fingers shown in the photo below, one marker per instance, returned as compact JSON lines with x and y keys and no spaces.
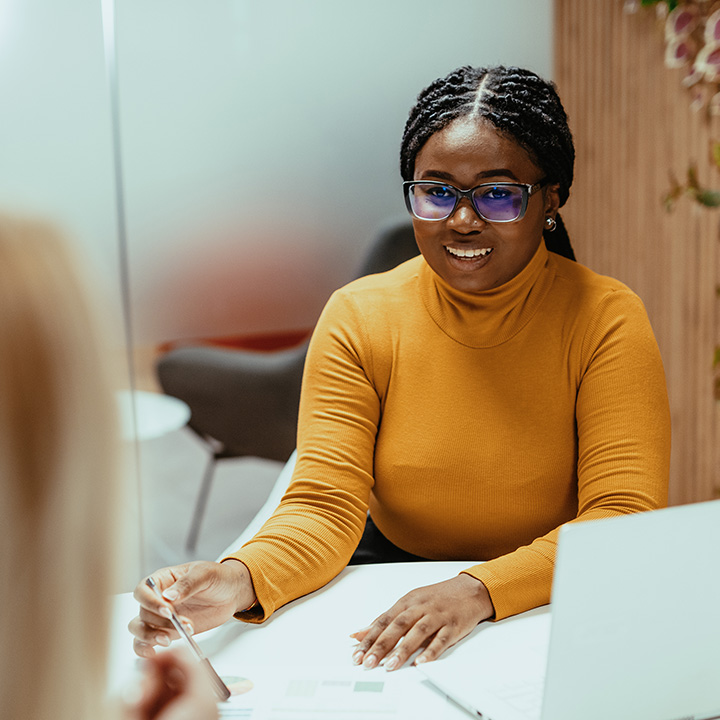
{"x":433,"y":617}
{"x":360,"y":634}
{"x":418,"y":638}
{"x":204,"y":594}
{"x":370,"y":636}
{"x":399,"y":640}
{"x":438,"y":645}
{"x":174,"y":688}
{"x":152,"y":630}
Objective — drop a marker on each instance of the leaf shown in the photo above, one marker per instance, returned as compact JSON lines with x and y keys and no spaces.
{"x":708,"y":198}
{"x":716,"y":153}
{"x":675,"y":191}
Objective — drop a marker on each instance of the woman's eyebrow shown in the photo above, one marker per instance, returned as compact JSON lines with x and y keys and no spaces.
{"x":496,"y":172}
{"x":437,"y":174}
{"x":502,"y":172}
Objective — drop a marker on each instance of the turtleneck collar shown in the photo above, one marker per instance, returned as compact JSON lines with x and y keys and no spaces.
{"x":490,"y":317}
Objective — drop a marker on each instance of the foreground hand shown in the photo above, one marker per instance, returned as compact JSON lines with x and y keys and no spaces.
{"x":434,"y":617}
{"x":204,"y":595}
{"x":174,"y":688}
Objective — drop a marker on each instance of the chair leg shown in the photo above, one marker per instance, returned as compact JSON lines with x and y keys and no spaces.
{"x":200,"y":504}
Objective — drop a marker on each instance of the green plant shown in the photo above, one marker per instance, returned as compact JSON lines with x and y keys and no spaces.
{"x":692,"y":187}
{"x":707,"y":198}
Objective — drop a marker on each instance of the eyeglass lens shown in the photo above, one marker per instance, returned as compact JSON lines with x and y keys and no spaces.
{"x":499,"y":203}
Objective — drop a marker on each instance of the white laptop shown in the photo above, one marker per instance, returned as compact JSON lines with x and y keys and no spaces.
{"x":634,"y":630}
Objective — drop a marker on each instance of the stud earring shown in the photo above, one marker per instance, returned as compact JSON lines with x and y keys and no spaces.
{"x":550,"y":224}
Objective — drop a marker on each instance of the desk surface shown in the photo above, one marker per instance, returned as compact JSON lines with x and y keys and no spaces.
{"x":306,"y":646}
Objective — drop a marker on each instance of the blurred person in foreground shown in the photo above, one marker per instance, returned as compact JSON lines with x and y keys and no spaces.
{"x":59,"y":481}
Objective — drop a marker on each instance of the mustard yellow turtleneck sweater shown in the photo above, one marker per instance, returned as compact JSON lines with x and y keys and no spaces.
{"x":471,"y":425}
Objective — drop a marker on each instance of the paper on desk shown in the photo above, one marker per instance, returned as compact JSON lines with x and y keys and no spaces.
{"x":296,"y":693}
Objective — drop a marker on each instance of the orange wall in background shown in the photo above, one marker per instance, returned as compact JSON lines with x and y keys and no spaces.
{"x":633,"y":127}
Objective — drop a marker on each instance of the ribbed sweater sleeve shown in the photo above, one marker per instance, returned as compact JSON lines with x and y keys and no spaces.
{"x":316,"y":528}
{"x":472,"y":428}
{"x":623,"y":426}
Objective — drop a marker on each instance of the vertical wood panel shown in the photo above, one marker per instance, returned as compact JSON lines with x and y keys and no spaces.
{"x":633,"y":126}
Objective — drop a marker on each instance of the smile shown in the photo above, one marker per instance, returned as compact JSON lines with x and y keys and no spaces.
{"x":468,"y":252}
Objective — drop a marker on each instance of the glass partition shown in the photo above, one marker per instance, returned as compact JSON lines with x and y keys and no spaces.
{"x":253,"y":158}
{"x":56,"y":155}
{"x":260,"y":155}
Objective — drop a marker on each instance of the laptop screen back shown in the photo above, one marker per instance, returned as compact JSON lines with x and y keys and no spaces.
{"x":636,"y":617}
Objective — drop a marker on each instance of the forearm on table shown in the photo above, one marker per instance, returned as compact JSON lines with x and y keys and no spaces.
{"x":522,"y":579}
{"x":295,"y":554}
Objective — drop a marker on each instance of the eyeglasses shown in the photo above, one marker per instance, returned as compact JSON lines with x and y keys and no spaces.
{"x":494,"y":202}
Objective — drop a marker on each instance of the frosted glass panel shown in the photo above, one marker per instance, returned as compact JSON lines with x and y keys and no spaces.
{"x":260,"y":155}
{"x":56,"y":162}
{"x":261,"y":143}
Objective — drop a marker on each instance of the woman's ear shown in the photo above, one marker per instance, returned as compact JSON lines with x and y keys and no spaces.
{"x":551,"y":196}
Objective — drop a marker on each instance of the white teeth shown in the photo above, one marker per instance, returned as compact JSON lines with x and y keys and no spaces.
{"x":468,"y":252}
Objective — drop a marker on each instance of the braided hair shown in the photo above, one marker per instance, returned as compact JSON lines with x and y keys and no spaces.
{"x":520,"y":105}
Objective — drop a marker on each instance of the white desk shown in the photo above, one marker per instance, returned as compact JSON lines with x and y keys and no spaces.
{"x":309,"y":640}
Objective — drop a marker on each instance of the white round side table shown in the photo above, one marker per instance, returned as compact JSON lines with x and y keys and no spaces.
{"x":145,"y":415}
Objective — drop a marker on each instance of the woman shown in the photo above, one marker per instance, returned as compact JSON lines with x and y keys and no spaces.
{"x":474,"y":399}
{"x":58,"y":481}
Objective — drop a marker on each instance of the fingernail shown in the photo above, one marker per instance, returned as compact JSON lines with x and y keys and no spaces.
{"x":165,"y":612}
{"x":163,"y":640}
{"x":188,"y":626}
{"x":420,"y":659}
{"x":392,"y":663}
{"x":370,"y":661}
{"x":171,"y":594}
{"x":357,"y":657}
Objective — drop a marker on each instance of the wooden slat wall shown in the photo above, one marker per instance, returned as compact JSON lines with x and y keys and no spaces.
{"x":633,"y":125}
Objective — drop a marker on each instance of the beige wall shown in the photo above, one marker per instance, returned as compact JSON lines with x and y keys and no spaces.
{"x":633,"y":126}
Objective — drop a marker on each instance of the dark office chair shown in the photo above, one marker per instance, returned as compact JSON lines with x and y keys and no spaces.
{"x":245,"y":403}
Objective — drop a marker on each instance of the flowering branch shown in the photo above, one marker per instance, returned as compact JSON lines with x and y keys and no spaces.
{"x":692,"y":43}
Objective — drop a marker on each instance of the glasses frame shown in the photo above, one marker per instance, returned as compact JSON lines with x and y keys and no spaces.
{"x":527,"y":191}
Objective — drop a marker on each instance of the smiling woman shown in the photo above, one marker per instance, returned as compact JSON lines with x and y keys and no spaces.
{"x":469,"y":251}
{"x":464,"y":405}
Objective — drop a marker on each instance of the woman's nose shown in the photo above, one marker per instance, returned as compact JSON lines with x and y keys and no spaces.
{"x":465,"y":218}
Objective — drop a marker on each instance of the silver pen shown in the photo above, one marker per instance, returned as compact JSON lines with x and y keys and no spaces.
{"x":220,"y":688}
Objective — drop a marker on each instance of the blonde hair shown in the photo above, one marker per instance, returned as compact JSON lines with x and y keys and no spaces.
{"x":58,"y":483}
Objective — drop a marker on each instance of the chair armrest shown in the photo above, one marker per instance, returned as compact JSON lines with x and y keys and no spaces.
{"x":248,"y":401}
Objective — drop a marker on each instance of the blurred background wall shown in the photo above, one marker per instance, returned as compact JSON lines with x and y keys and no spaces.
{"x":259,"y":156}
{"x":260,"y":143}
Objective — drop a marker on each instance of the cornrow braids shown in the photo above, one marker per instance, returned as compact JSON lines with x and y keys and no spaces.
{"x":519,"y":104}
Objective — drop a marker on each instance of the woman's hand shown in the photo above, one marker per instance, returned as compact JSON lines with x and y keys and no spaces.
{"x":434,"y":617}
{"x":174,"y":688}
{"x":204,"y":595}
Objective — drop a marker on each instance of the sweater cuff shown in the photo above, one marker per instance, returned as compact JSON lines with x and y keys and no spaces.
{"x":511,"y":592}
{"x":256,"y":612}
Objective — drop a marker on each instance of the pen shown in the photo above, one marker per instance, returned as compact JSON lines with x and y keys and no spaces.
{"x":221,"y":690}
